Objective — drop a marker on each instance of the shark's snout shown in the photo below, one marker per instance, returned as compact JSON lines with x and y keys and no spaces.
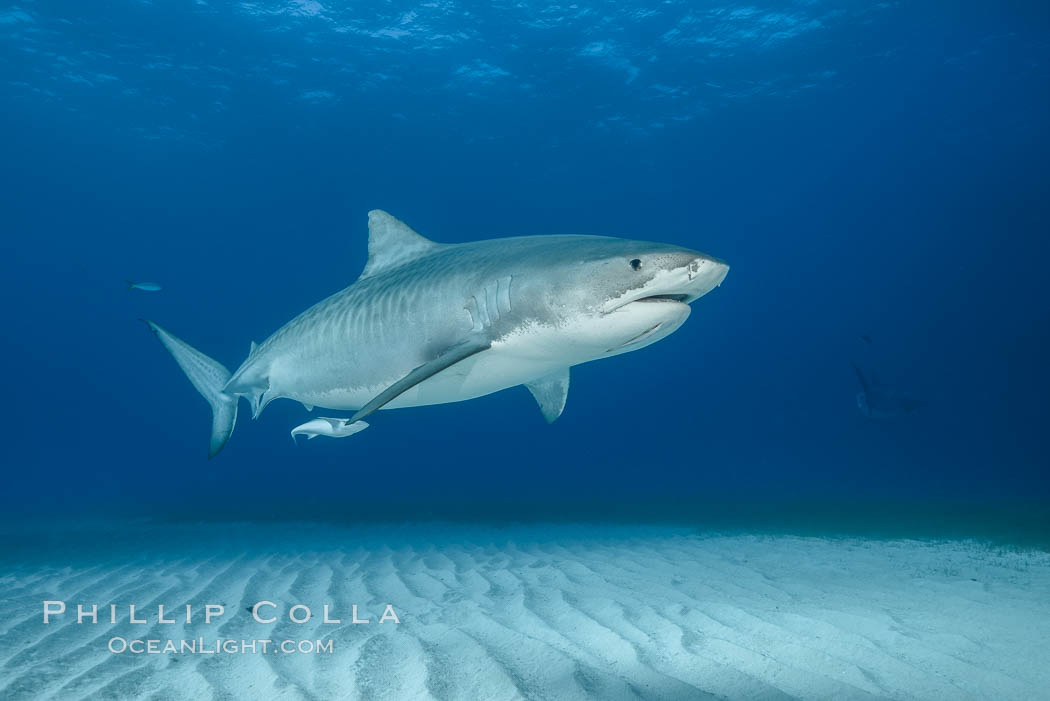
{"x":709,"y":269}
{"x":703,"y":273}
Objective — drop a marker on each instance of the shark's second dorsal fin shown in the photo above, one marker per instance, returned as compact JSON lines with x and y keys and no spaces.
{"x":391,"y":242}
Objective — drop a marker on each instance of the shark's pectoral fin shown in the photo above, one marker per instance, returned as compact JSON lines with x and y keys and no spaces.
{"x":550,"y":392}
{"x":460,"y":351}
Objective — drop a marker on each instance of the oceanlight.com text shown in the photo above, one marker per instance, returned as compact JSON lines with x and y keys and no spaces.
{"x":200,"y":646}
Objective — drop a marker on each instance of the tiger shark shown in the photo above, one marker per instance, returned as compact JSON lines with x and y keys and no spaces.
{"x":432,"y":323}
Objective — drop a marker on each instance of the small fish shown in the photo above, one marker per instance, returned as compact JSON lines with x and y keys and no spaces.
{"x":326,"y":426}
{"x":866,"y":339}
{"x":144,"y":286}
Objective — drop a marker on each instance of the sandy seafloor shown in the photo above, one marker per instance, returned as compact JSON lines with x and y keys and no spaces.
{"x":536,"y":612}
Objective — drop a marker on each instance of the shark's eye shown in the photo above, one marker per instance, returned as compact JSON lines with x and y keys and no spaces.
{"x":636,"y":264}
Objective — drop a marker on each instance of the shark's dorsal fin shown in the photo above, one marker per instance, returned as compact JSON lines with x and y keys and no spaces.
{"x":550,"y":392}
{"x":391,"y":243}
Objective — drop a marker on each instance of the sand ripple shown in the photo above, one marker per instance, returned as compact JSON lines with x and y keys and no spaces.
{"x":553,"y":612}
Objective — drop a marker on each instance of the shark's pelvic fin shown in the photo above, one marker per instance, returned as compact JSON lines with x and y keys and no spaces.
{"x":260,"y":400}
{"x":458,"y":352}
{"x":550,"y":392}
{"x":209,"y":377}
{"x":392,"y":243}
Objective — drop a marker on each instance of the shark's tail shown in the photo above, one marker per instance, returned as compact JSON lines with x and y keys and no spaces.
{"x":209,"y":377}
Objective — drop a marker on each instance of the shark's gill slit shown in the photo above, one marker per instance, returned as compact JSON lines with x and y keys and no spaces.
{"x":483,"y":310}
{"x":503,"y":295}
{"x":473,"y":320}
{"x":506,"y":291}
{"x":491,"y":300}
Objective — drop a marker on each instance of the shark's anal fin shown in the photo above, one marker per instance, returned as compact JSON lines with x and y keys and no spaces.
{"x":550,"y":392}
{"x":458,"y":352}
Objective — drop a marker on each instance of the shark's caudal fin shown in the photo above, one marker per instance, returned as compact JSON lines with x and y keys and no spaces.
{"x":209,"y":377}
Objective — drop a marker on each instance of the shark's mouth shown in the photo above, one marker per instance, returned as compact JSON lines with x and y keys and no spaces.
{"x":665,"y":298}
{"x":656,"y":299}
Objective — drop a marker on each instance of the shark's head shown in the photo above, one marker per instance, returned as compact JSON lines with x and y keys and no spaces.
{"x":619,"y":295}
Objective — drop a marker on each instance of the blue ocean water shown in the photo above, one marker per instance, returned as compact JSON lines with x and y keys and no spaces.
{"x":875,"y":173}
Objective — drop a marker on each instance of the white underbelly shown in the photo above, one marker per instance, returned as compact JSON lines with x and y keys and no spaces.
{"x":490,"y":371}
{"x":506,"y":364}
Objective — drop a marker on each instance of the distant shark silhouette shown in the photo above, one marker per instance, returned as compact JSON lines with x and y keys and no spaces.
{"x":880,"y":402}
